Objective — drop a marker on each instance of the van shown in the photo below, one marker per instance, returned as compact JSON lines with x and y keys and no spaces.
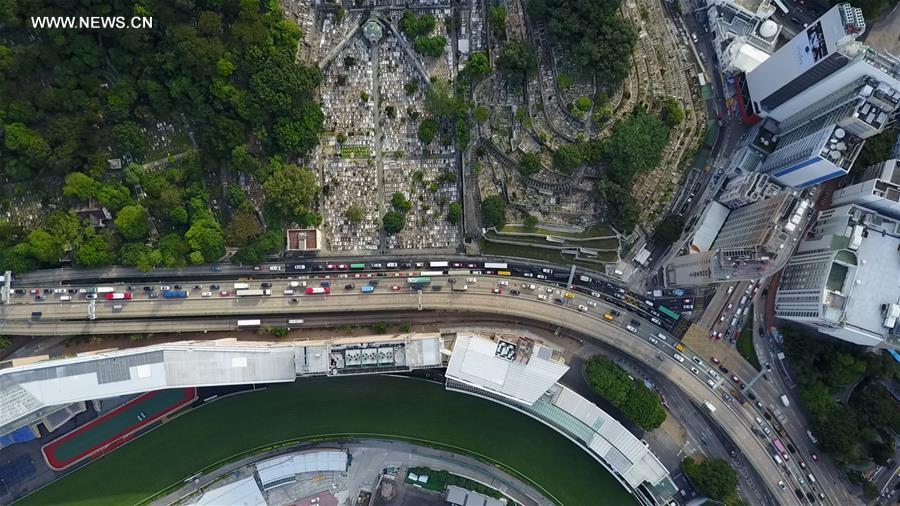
{"x":661,"y":336}
{"x":734,"y":322}
{"x":694,"y":37}
{"x":759,"y":420}
{"x":778,"y":460}
{"x":743,"y":300}
{"x":812,"y":479}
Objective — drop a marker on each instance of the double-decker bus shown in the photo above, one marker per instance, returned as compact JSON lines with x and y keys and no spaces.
{"x":357,"y":267}
{"x":780,"y":447}
{"x":249,"y":323}
{"x":420,"y":280}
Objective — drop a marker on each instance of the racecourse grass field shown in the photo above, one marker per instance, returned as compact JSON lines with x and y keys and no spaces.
{"x":314,"y":407}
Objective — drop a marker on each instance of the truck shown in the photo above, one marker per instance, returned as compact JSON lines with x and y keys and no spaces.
{"x":318,"y":290}
{"x":118,"y":296}
{"x":460,"y":288}
{"x":253,"y":292}
{"x":367,"y":289}
{"x":709,"y":406}
{"x":102,"y":289}
{"x":241,"y":286}
{"x":785,"y":400}
{"x":175,"y":294}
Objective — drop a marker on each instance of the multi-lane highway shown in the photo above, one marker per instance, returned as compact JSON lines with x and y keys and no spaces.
{"x":582,"y":311}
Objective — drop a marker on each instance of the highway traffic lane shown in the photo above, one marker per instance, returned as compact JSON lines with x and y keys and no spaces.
{"x":526,"y":309}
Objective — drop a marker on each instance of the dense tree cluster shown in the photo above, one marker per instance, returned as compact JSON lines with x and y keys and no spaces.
{"x":671,"y":112}
{"x":530,"y":164}
{"x":493,"y":211}
{"x":714,"y":478}
{"x":227,"y":67}
{"x":430,"y":46}
{"x":876,"y":149}
{"x":450,"y":113}
{"x":826,"y":368}
{"x":454,"y":213}
{"x":634,"y":147}
{"x":636,"y":401}
{"x":594,"y":33}
{"x":223,"y":69}
{"x":516,"y":61}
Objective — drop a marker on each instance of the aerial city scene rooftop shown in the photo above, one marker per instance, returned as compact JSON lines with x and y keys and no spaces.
{"x":434,"y":252}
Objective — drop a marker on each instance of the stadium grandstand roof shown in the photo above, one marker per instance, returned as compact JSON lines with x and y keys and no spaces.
{"x":239,"y":493}
{"x":282,"y":469}
{"x":519,"y":371}
{"x":28,"y":389}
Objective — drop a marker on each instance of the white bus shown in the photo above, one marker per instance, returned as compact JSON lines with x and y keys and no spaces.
{"x":438,"y":264}
{"x":431,"y":273}
{"x":249,"y":323}
{"x":494,"y":265}
{"x":252,"y":292}
{"x":295,"y":322}
{"x":241,"y":286}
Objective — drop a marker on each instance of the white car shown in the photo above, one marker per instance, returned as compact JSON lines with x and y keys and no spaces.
{"x":471,"y":280}
{"x":541,"y":276}
{"x":695,"y":371}
{"x":653,"y":340}
{"x":392,"y":265}
{"x":711,"y":383}
{"x":206,"y":294}
{"x":678,"y":357}
{"x":542,"y":296}
{"x":595,"y":294}
{"x":503,"y":282}
{"x":631,"y":329}
{"x":528,"y":274}
{"x":164,"y":288}
{"x":274,"y":267}
{"x":592,"y":303}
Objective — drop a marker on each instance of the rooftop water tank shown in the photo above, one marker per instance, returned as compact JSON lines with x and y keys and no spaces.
{"x":768,"y":29}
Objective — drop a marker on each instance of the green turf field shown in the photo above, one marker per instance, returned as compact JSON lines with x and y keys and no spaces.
{"x":310,"y":407}
{"x":116,"y":424}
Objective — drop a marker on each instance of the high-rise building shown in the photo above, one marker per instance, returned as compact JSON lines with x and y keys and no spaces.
{"x":844,"y":279}
{"x":878,"y":188}
{"x":753,"y":242}
{"x":747,"y":189}
{"x":821,"y":95}
{"x":743,"y":32}
{"x":817,"y":61}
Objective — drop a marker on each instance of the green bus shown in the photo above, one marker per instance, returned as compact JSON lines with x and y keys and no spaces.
{"x":419,"y":281}
{"x":668,"y":312}
{"x":357,"y":266}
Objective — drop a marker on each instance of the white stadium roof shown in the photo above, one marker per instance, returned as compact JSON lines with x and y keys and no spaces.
{"x":239,"y":493}
{"x":275,"y":470}
{"x":477,"y":362}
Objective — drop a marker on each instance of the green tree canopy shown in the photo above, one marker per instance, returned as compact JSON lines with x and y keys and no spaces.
{"x":635,"y":146}
{"x":636,"y":401}
{"x":393,"y":222}
{"x":516,"y":61}
{"x":95,"y":252}
{"x":478,"y":65}
{"x":413,"y":25}
{"x":291,"y":192}
{"x":454,"y":213}
{"x":622,"y":211}
{"x":671,"y":112}
{"x":493,"y":211}
{"x":132,"y":222}
{"x":567,"y":158}
{"x":205,"y":237}
{"x":669,"y":229}
{"x":714,"y":478}
{"x":428,"y":128}
{"x":530,"y":164}
{"x":400,"y":203}
{"x":243,"y":229}
{"x":355,"y":214}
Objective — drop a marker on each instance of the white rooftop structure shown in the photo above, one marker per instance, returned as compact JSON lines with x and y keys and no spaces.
{"x":25,"y":390}
{"x":521,"y":371}
{"x":878,"y":189}
{"x":844,"y":279}
{"x":610,"y":440}
{"x":459,"y":496}
{"x":713,"y":218}
{"x":239,"y":493}
{"x":742,"y":39}
{"x":284,"y":469}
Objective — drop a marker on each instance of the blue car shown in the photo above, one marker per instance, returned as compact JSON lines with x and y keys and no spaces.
{"x":216,"y":268}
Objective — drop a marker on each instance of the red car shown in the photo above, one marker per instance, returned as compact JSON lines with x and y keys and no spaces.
{"x":497,"y":290}
{"x":224,"y":293}
{"x":395,"y":287}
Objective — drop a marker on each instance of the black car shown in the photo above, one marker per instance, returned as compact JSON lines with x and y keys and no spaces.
{"x":148,"y":289}
{"x":213,"y":287}
{"x":19,"y":291}
{"x":436,"y":288}
{"x":614,"y":312}
{"x":558,"y":301}
{"x":751,"y":395}
{"x":514,"y":292}
{"x":324,"y":284}
{"x":791,"y":448}
{"x":178,"y":287}
{"x":373,"y":282}
{"x":635,"y":322}
{"x":295,"y":300}
{"x":799,"y":493}
{"x":266,"y":285}
{"x":406,"y":265}
{"x":47,"y":290}
{"x":811,"y":498}
{"x":349,"y":286}
{"x":723,"y":369}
